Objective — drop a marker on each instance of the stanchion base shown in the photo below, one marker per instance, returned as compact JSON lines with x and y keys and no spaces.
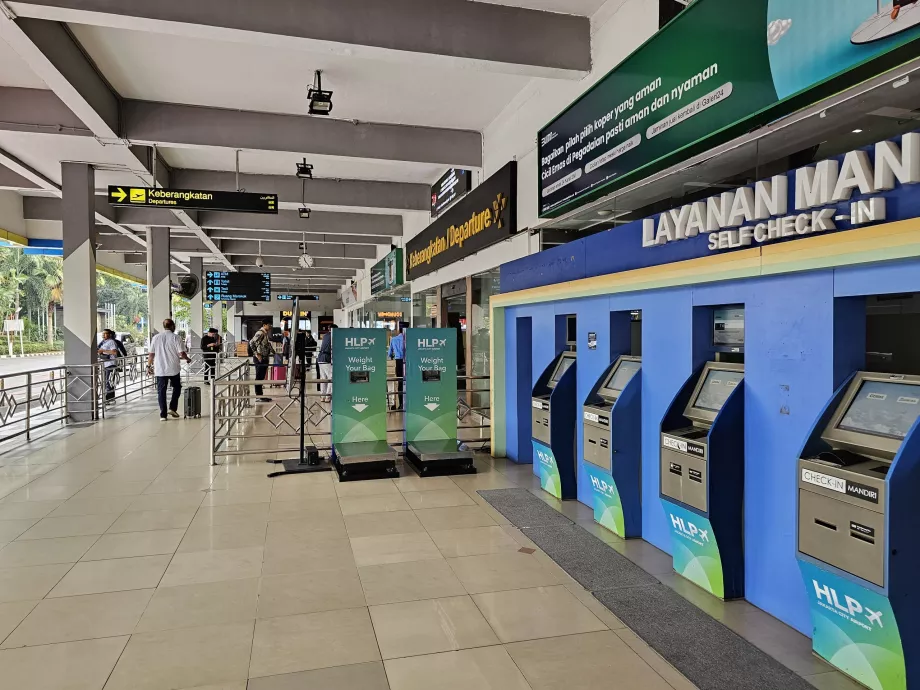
{"x":295,"y":466}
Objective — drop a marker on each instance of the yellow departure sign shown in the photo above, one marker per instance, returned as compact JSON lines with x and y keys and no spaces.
{"x":196,"y":199}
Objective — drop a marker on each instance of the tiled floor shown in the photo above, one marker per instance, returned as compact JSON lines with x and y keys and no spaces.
{"x":130,"y":563}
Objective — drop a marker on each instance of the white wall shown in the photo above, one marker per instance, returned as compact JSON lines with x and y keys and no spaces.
{"x":11,"y":213}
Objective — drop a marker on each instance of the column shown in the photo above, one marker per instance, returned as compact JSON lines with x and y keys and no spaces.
{"x":159,"y":296}
{"x":230,"y":335}
{"x":217,"y":316}
{"x":196,"y":304}
{"x":79,"y":229}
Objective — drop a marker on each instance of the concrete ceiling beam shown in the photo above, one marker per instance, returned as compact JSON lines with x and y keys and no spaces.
{"x":315,"y":249}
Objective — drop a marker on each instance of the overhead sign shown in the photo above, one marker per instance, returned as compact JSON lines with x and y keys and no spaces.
{"x":197,"y":199}
{"x":300,"y":297}
{"x":388,"y":272}
{"x":382,"y":315}
{"x":289,"y":314}
{"x":454,"y":184}
{"x":485,"y":216}
{"x":232,"y":286}
{"x":721,"y":68}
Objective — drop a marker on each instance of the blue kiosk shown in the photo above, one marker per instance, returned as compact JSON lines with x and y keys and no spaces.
{"x":553,"y":418}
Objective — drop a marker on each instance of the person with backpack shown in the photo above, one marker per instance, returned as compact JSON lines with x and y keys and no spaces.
{"x":262,"y":355}
{"x":109,"y":352}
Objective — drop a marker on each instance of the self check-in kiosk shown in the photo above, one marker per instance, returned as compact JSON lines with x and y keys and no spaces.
{"x":612,"y":416}
{"x":702,"y":478}
{"x":359,"y":405}
{"x":858,"y":519}
{"x":432,"y":447}
{"x":553,"y":416}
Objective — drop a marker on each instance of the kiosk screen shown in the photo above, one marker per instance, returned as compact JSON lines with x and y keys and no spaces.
{"x":728,"y":326}
{"x":715,"y":390}
{"x":621,"y":376}
{"x":562,"y":367}
{"x":359,"y":376}
{"x":883,"y":408}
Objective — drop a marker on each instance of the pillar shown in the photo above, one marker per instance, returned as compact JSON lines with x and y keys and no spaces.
{"x":196,"y":303}
{"x":159,"y":295}
{"x":217,"y":316}
{"x":230,"y":335}
{"x":79,"y":229}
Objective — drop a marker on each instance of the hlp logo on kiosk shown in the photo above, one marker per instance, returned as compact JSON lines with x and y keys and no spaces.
{"x":431,"y":343}
{"x":359,"y":342}
{"x":689,"y":529}
{"x":827,"y":597}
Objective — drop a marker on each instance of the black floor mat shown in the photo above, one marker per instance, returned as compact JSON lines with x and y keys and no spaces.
{"x":523,"y":509}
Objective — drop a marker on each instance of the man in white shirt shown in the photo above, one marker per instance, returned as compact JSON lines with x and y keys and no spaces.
{"x":166,"y":353}
{"x":108,"y":352}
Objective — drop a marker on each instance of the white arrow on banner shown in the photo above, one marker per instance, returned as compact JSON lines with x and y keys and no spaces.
{"x":360,"y":408}
{"x":433,"y":406}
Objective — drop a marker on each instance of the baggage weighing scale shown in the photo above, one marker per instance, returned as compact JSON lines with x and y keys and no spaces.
{"x":858,"y":548}
{"x":431,"y":441}
{"x":613,"y":447}
{"x":702,"y":478}
{"x":359,"y":405}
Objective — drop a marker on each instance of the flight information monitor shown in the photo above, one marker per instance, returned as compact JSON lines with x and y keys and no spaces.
{"x":716,"y":388}
{"x":728,"y":326}
{"x":883,"y":408}
{"x":230,"y":286}
{"x":620,"y":376}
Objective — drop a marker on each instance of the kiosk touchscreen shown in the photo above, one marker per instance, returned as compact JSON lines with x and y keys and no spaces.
{"x":553,"y":427}
{"x":702,"y":478}
{"x":858,"y":490}
{"x":612,"y":415}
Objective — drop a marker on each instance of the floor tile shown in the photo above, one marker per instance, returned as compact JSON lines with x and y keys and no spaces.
{"x":528,"y":614}
{"x":438,"y":519}
{"x":71,"y":526}
{"x":81,"y":665}
{"x":473,"y":541}
{"x":284,"y":556}
{"x":183,"y":501}
{"x":315,"y":640}
{"x":500,"y":571}
{"x":93,"y":506}
{"x":391,"y":548}
{"x":430,"y":626}
{"x":102,"y":489}
{"x":12,"y":614}
{"x":43,"y":493}
{"x":238,"y":496}
{"x":285,"y":595}
{"x":373,"y":524}
{"x":365,"y":488}
{"x":24,"y":584}
{"x":152,"y":520}
{"x":367,"y":676}
{"x":583,"y":662}
{"x":81,"y":618}
{"x":486,"y":668}
{"x":231,"y":513}
{"x":235,"y":535}
{"x":114,"y":575}
{"x":318,"y":527}
{"x":210,"y":603}
{"x":300,"y":510}
{"x":11,"y":529}
{"x":44,"y":551}
{"x":132,"y":544}
{"x":410,"y":581}
{"x":381,"y":503}
{"x":175,"y":485}
{"x":420,"y":500}
{"x":653,"y":659}
{"x":407,"y":484}
{"x":184,"y":658}
{"x":28,"y":510}
{"x":294,"y":492}
{"x":213,"y":566}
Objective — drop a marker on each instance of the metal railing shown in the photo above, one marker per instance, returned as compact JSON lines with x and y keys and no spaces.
{"x":237,"y":414}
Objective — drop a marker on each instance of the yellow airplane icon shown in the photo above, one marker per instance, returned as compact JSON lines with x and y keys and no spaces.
{"x":138,"y":196}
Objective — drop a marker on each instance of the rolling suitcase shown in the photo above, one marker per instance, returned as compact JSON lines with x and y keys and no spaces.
{"x":279,"y":374}
{"x":192,"y":402}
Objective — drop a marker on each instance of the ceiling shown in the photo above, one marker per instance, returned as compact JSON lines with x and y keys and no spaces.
{"x":413,"y":88}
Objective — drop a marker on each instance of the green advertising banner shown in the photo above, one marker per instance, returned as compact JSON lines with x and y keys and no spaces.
{"x":359,"y":385}
{"x":431,"y":384}
{"x":855,"y":629}
{"x":721,"y":68}
{"x":388,"y":272}
{"x":695,"y":551}
{"x":608,"y":510}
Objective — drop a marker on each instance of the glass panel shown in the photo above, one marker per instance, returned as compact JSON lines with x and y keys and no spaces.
{"x":425,"y":309}
{"x":484,"y":286}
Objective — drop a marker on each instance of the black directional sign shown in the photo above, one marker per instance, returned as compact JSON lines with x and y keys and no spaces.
{"x":231,"y":286}
{"x":198,"y":199}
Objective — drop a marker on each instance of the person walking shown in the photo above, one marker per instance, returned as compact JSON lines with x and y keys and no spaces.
{"x":109,"y":352}
{"x":262,"y":355}
{"x":210,"y":347}
{"x":324,"y":362}
{"x":397,"y":352}
{"x":309,"y":348}
{"x":165,"y":358}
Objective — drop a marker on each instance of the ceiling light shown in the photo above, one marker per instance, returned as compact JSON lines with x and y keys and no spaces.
{"x":304,"y":212}
{"x":603,"y":213}
{"x":857,"y":131}
{"x":320,"y":101}
{"x":305,"y":170}
{"x":260,"y":262}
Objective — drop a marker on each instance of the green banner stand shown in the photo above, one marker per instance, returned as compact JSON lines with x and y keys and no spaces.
{"x":359,"y":405}
{"x":431,"y":441}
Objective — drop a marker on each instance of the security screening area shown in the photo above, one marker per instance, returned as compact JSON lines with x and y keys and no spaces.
{"x":608,"y":379}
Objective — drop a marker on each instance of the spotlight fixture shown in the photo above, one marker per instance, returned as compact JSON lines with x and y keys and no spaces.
{"x":304,"y":212}
{"x":260,"y":262}
{"x":305,"y":170}
{"x":857,"y":131}
{"x":604,"y":213}
{"x":320,"y":101}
